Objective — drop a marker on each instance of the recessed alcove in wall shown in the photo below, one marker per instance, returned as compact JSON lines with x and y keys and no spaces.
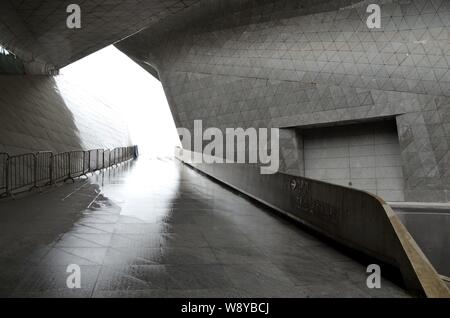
{"x":362,"y":155}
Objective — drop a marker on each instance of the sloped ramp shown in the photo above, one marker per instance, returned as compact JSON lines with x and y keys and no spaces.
{"x":354,"y":218}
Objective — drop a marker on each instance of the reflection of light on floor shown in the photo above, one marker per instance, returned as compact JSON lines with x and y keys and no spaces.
{"x":146,"y":191}
{"x":196,"y":238}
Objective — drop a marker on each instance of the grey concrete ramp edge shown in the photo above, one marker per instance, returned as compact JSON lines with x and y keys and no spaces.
{"x":354,"y":218}
{"x":414,"y":259}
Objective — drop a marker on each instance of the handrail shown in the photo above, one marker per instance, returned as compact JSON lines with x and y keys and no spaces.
{"x":24,"y":172}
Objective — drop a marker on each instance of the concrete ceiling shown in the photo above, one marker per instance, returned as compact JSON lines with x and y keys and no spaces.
{"x":36,"y":30}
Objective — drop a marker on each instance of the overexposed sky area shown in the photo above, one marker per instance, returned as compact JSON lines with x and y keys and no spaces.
{"x":117,"y":80}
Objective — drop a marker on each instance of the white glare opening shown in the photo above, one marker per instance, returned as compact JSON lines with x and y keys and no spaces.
{"x":120,"y":82}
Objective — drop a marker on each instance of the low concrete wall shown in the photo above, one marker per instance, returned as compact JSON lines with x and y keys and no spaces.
{"x":352,"y":217}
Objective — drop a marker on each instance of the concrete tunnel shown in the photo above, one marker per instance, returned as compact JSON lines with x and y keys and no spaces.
{"x":354,"y":115}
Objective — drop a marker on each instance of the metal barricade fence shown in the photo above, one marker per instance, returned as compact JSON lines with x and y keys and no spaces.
{"x":26,"y":171}
{"x":61,"y":167}
{"x":118,"y":160}
{"x":43,"y":168}
{"x":92,"y":160}
{"x":86,"y":161}
{"x":3,"y":173}
{"x":21,"y":172}
{"x":116,"y":156}
{"x":76,"y":163}
{"x":111,"y":158}
{"x":100,"y":161}
{"x":106,"y":158}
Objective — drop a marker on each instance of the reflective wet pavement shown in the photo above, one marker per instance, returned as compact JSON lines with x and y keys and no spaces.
{"x":156,"y":228}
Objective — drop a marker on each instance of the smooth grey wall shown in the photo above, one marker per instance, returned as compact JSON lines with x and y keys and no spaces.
{"x":364,"y":156}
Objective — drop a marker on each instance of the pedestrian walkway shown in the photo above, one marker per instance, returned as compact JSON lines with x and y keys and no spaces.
{"x":156,"y":228}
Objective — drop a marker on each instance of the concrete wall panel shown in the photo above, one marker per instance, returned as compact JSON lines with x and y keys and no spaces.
{"x":40,"y":113}
{"x":364,"y":156}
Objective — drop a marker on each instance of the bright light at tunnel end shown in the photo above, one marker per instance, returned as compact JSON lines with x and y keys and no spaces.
{"x":136,"y":94}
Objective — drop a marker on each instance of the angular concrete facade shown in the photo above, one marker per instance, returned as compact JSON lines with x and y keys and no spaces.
{"x":299,"y":65}
{"x":46,"y":113}
{"x":302,"y":65}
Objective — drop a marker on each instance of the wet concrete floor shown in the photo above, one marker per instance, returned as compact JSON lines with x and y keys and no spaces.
{"x":156,"y":228}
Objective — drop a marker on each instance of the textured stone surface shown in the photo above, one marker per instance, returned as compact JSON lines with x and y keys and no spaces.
{"x":180,"y":235}
{"x":36,"y":29}
{"x":303,"y":63}
{"x":40,"y":113}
